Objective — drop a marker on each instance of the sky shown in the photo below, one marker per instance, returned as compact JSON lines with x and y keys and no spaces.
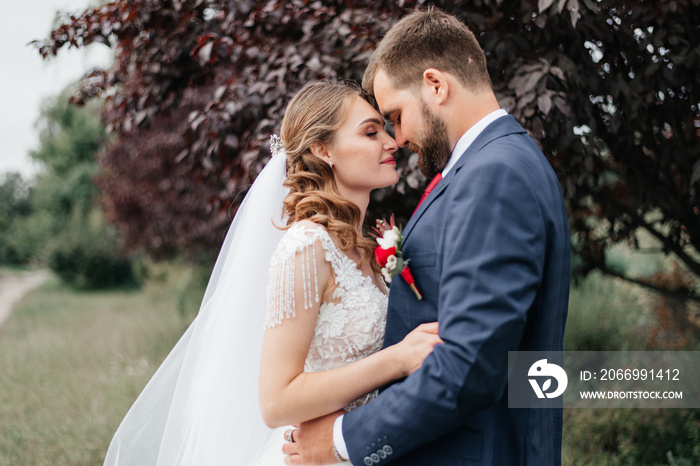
{"x":26,"y":80}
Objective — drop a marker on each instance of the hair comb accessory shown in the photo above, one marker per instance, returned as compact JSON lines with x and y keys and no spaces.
{"x":276,"y":146}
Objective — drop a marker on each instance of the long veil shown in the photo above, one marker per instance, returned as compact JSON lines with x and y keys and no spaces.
{"x":201,"y":406}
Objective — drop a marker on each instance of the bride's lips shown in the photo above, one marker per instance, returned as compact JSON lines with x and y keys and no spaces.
{"x":389,"y":161}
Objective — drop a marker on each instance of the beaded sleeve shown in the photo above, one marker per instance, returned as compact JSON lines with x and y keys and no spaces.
{"x":296,"y":258}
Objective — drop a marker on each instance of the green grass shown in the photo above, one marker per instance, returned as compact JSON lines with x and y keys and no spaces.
{"x":72,"y":363}
{"x":606,"y":314}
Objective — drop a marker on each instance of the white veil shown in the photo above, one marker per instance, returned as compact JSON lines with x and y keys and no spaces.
{"x":201,"y":406}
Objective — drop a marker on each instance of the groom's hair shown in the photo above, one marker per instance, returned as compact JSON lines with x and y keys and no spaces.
{"x":428,"y":39}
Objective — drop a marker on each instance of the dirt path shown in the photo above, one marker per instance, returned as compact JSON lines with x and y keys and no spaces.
{"x":13,"y":287}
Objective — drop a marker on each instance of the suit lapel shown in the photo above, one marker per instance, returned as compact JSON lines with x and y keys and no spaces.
{"x":441,"y":186}
{"x":500,"y":127}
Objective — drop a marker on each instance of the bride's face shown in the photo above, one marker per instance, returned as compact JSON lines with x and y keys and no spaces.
{"x":362,"y":151}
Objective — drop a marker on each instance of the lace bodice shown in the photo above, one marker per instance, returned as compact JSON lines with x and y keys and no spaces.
{"x":351,"y":325}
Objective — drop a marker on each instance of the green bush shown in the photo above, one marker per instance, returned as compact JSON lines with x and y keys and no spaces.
{"x":608,"y":314}
{"x":8,"y":254}
{"x":88,"y":257}
{"x":85,"y":267}
{"x":28,"y":237}
{"x":15,"y":207}
{"x":632,"y":437}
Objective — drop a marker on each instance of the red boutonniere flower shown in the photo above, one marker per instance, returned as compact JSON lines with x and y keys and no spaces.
{"x":388,"y":254}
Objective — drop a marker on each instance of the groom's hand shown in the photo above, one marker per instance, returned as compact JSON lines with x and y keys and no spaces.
{"x":312,"y":442}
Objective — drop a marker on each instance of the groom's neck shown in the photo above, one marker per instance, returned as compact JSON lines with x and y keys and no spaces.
{"x":466,"y":110}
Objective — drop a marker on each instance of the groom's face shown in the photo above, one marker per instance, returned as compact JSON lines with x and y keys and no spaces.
{"x":415,"y":126}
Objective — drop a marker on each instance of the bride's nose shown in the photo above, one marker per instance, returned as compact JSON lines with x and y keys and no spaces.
{"x":390,"y":145}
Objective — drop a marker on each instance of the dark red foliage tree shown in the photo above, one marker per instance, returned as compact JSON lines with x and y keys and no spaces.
{"x":609,"y":88}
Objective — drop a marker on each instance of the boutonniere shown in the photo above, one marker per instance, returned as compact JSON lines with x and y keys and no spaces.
{"x":389,"y":256}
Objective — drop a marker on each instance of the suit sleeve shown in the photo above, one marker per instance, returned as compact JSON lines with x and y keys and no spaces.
{"x":492,"y":257}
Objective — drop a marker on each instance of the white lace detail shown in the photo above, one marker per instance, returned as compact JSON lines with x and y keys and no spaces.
{"x":351,"y":325}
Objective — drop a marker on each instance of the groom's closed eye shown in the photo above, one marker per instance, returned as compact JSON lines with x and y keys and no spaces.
{"x":391,"y":118}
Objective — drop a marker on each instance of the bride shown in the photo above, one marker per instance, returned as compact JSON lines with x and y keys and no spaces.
{"x":265,"y":353}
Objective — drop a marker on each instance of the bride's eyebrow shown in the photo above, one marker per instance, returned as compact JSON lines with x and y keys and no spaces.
{"x":371,"y":120}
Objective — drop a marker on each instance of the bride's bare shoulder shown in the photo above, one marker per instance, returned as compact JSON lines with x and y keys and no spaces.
{"x":308,"y":225}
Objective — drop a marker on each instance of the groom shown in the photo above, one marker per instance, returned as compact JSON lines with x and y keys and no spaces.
{"x":489,"y":250}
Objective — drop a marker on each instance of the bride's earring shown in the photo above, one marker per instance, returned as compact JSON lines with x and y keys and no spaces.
{"x":330,"y":162}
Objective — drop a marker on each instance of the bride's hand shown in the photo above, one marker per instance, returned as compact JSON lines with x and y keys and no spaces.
{"x":416,"y":346}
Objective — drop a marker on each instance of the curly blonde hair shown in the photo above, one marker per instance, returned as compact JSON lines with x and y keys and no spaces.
{"x":313,"y":116}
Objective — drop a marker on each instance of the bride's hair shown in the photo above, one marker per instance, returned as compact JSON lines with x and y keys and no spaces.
{"x":313,"y":116}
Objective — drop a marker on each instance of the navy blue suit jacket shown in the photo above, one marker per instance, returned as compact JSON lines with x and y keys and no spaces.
{"x":489,"y":249}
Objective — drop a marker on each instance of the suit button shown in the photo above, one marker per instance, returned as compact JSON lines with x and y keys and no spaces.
{"x":388,"y":450}
{"x":374,"y":457}
{"x":381,"y":453}
{"x":368,"y":461}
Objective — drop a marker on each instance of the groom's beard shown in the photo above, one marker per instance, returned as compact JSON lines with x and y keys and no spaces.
{"x":434,"y":151}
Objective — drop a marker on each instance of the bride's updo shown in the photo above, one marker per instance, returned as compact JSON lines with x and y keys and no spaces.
{"x":313,"y":116}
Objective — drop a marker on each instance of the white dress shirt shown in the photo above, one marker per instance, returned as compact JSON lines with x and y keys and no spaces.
{"x":462,"y":145}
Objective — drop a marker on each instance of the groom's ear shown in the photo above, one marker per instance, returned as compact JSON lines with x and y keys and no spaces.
{"x":435,"y":85}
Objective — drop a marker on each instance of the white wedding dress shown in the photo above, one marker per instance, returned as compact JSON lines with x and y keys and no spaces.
{"x":201,"y":406}
{"x":349,"y":327}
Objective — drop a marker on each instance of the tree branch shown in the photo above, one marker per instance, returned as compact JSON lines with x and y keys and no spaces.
{"x":672,"y":246}
{"x":676,"y":293}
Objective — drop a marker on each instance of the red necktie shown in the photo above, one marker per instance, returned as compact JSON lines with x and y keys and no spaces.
{"x":430,"y":187}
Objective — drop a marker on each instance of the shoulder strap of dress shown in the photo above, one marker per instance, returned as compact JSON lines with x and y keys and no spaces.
{"x":299,"y":240}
